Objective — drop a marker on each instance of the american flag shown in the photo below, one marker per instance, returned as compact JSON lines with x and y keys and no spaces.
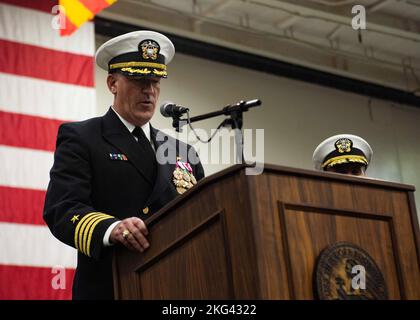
{"x":45,"y":80}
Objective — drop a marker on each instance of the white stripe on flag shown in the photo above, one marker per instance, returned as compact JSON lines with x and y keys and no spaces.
{"x":46,"y":98}
{"x":28,"y":245}
{"x":25,"y":168}
{"x":24,"y":25}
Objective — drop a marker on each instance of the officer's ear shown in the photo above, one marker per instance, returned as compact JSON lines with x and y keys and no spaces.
{"x":111,"y":81}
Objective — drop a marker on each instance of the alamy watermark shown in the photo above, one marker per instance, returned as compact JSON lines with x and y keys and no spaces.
{"x":58,"y":22}
{"x":358,"y":282}
{"x":58,"y":280}
{"x":358,"y":22}
{"x":222,"y":149}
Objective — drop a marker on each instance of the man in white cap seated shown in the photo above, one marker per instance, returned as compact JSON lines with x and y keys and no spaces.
{"x":343,"y":153}
{"x":107,"y":176}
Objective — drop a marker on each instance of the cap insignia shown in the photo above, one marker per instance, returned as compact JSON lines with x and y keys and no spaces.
{"x":149,"y":49}
{"x":343,"y":145}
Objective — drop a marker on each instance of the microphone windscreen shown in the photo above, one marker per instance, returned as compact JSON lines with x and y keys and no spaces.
{"x":164,"y":108}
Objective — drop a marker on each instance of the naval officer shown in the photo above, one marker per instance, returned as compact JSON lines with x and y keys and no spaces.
{"x":106,"y":178}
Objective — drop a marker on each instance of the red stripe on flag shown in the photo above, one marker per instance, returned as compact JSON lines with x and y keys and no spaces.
{"x":43,"y":5}
{"x":47,"y":64}
{"x":24,"y":206}
{"x":95,"y":6}
{"x":33,"y":283}
{"x":26,"y":131}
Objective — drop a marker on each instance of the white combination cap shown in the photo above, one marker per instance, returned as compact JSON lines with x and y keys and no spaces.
{"x":138,"y":53}
{"x":342,"y":148}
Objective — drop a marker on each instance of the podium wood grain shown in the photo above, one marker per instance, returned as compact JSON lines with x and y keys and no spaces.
{"x":235,"y":236}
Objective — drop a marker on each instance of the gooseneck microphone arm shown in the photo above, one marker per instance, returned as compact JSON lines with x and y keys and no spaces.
{"x":241,"y":106}
{"x":235,"y":120}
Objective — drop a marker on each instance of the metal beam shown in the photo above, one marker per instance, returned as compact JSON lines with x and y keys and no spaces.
{"x":335,"y":32}
{"x":309,"y":52}
{"x":287,"y":22}
{"x":212,"y":9}
{"x":334,"y":3}
{"x":216,"y":7}
{"x":380,"y":23}
{"x":378,"y":5}
{"x":256,"y":62}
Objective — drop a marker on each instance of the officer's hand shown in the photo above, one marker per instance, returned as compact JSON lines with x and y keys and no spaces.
{"x":131,"y":232}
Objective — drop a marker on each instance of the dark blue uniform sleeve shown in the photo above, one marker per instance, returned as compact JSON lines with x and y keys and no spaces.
{"x":68,"y":210}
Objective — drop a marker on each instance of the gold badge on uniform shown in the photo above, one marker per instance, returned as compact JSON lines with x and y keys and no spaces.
{"x":183,"y":177}
{"x":75,"y":218}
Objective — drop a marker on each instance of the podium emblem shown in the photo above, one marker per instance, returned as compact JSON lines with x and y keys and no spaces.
{"x":345,"y":271}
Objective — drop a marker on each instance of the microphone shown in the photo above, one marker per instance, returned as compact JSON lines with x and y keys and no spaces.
{"x":169,"y":109}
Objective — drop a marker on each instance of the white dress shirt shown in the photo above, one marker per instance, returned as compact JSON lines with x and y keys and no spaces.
{"x":130,"y":127}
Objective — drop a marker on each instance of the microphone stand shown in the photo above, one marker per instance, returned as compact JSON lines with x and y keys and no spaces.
{"x":235,"y":121}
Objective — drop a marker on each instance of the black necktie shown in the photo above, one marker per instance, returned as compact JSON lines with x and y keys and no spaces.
{"x":148,"y":154}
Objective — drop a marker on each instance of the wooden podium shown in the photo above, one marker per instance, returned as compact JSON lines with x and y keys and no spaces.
{"x":238,"y":236}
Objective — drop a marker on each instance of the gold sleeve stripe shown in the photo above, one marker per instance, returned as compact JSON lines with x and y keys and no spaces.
{"x":82,"y":225}
{"x":91,"y":233}
{"x":76,"y":232}
{"x":83,"y":228}
{"x":85,"y":233}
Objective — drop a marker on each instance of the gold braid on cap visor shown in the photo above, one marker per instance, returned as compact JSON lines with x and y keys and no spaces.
{"x":137,"y":64}
{"x":344,"y":159}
